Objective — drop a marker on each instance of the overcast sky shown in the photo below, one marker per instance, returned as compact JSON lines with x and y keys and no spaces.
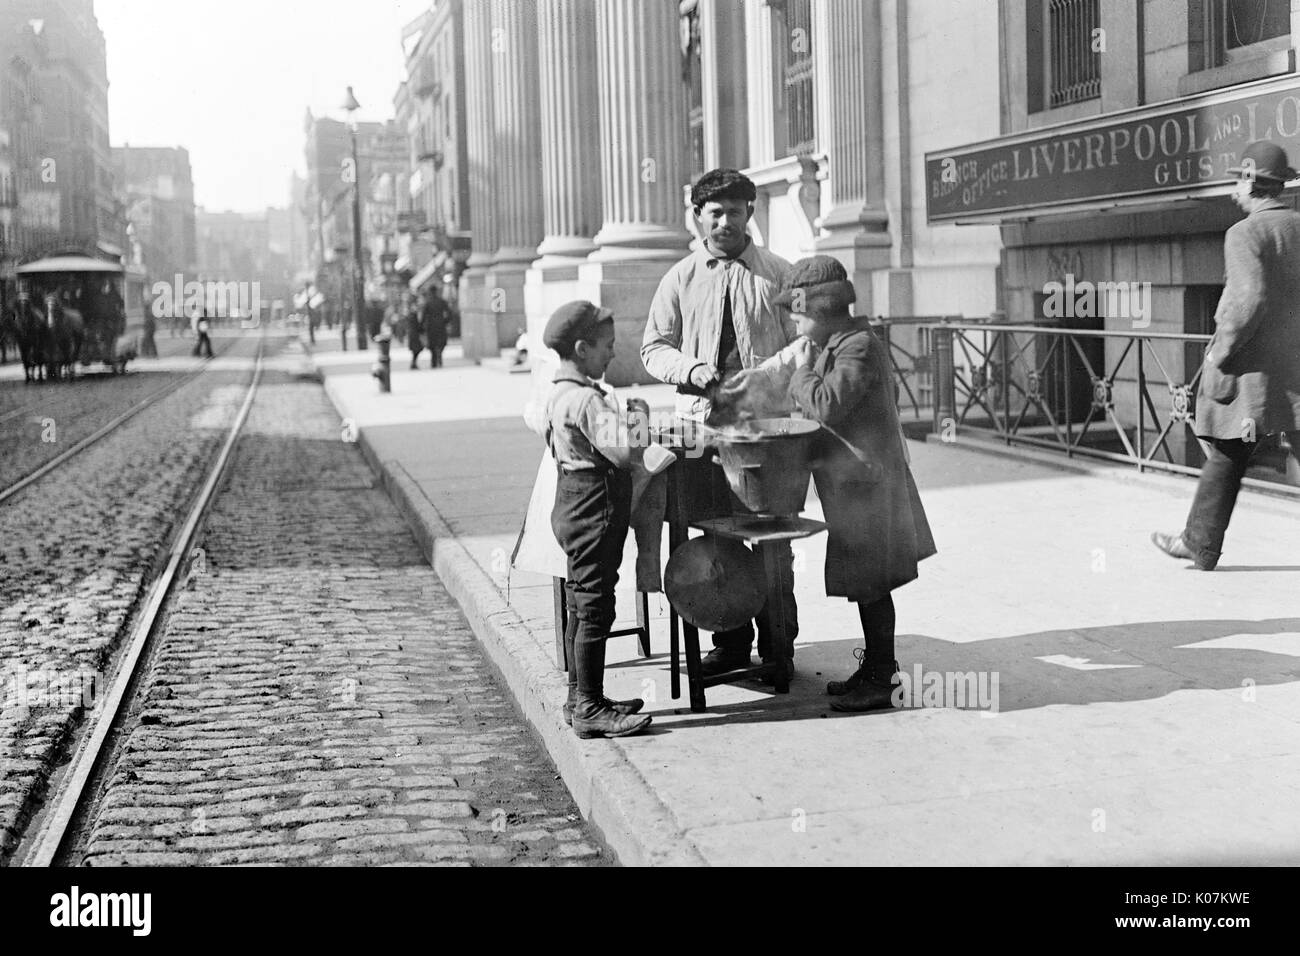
{"x":231,"y":81}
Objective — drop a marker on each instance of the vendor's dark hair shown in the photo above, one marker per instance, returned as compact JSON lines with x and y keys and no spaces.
{"x":1266,"y":188}
{"x":719,"y":184}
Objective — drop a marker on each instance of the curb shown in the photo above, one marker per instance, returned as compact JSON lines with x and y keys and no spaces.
{"x":610,"y":792}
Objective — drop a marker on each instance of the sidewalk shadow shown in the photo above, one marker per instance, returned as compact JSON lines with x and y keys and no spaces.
{"x":1112,"y":664}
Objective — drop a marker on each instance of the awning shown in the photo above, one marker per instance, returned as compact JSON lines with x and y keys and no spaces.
{"x":431,"y":268}
{"x":69,"y":264}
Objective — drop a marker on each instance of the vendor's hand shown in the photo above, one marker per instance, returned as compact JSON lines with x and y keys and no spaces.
{"x":703,"y":375}
{"x":737,"y":383}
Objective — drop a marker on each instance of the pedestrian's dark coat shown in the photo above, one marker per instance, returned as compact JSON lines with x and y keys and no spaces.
{"x":436,"y":315}
{"x":878,"y":529}
{"x":1251,"y":385}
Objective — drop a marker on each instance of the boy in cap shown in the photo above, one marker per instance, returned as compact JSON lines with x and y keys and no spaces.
{"x":839,"y":375}
{"x":593,"y":501}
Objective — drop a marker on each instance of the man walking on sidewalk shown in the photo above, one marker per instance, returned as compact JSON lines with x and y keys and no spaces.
{"x":712,"y":316}
{"x":1250,"y":384}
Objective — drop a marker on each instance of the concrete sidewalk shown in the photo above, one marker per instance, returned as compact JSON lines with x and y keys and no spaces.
{"x":1123,"y":709}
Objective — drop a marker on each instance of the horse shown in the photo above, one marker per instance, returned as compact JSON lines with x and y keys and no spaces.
{"x":33,"y":340}
{"x":67,"y":331}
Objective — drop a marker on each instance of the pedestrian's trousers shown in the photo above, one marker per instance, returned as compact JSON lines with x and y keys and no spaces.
{"x":1216,"y":494}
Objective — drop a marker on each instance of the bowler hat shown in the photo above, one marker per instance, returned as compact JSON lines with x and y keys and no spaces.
{"x":573,"y":322}
{"x":1264,"y":161}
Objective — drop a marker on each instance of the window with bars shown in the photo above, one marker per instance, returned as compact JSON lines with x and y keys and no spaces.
{"x":801,"y":131}
{"x":1074,"y":68}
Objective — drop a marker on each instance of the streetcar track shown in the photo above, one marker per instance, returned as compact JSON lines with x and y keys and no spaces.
{"x":58,"y":815}
{"x":42,"y":470}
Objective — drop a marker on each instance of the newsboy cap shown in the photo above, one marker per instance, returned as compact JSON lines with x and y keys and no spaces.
{"x":574,"y":322}
{"x":1265,"y":162}
{"x":822,"y":276}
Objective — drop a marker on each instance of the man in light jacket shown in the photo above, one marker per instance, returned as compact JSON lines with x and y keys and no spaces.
{"x":714,"y":314}
{"x":1250,"y":384}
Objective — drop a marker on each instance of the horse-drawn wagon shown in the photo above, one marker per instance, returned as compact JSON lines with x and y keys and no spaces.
{"x":74,"y":308}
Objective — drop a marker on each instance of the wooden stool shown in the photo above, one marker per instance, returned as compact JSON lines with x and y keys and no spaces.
{"x":765,"y":535}
{"x":642,"y":629}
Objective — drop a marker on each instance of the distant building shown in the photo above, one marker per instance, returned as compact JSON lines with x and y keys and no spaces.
{"x":54,"y":104}
{"x":430,"y":109}
{"x":8,"y":220}
{"x":245,"y":248}
{"x":157,"y":192}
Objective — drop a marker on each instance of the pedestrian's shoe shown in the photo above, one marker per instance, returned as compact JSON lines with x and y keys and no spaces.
{"x":1172,"y":545}
{"x":413,"y":365}
{"x":720,"y":661}
{"x":874,"y":691}
{"x":593,"y":717}
{"x":838,"y":688}
{"x":632,"y":706}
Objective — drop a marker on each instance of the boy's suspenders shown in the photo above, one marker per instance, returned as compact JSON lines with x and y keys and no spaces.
{"x":550,"y":405}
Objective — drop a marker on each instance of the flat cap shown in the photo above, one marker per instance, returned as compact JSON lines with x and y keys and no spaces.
{"x":572,"y":322}
{"x":816,"y":275}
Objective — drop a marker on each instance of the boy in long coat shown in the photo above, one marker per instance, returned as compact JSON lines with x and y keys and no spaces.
{"x":1250,"y":383}
{"x":877,"y":527}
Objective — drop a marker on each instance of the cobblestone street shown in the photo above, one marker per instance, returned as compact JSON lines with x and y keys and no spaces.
{"x":77,"y":550}
{"x":317,"y":698}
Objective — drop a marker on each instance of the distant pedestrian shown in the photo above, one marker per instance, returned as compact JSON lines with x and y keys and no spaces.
{"x":202,"y":347}
{"x":436,"y":315}
{"x":415,"y":331}
{"x":149,"y":348}
{"x":1250,"y":382}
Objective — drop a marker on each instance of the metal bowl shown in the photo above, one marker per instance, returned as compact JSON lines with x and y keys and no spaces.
{"x":767,"y":462}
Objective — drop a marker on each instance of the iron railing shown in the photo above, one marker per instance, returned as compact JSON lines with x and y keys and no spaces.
{"x":1123,"y":396}
{"x":910,"y":355}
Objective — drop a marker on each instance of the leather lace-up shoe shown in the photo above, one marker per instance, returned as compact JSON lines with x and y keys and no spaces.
{"x":719,"y":661}
{"x":592,"y":717}
{"x":632,"y":706}
{"x":1172,"y":545}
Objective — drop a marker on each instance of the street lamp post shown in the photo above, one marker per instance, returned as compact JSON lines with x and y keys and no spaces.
{"x":350,"y":105}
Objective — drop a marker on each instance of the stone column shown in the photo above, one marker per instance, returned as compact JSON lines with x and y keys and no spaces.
{"x":643,"y":131}
{"x":850,"y":128}
{"x":723,"y":59}
{"x":570,"y":151}
{"x":478,"y":322}
{"x":643,"y":170}
{"x":517,"y":138}
{"x":570,"y":107}
{"x":759,"y":69}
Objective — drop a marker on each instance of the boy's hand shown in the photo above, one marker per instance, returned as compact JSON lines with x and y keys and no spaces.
{"x":804,"y":353}
{"x":638,"y":406}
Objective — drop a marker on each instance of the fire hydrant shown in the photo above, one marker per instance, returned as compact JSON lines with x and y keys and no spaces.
{"x":383,"y":367}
